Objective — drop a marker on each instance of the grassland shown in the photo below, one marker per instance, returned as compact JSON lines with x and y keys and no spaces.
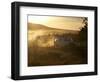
{"x":73,"y":53}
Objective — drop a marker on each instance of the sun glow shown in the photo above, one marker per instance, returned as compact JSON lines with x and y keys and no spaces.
{"x":38,"y":19}
{"x":60,"y":22}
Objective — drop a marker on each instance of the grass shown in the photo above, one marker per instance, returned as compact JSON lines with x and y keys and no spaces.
{"x":68,"y":55}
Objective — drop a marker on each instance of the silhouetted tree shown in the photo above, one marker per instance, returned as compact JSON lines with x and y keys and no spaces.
{"x":83,"y":31}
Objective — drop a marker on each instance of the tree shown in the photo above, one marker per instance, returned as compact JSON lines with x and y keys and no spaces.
{"x":83,"y":31}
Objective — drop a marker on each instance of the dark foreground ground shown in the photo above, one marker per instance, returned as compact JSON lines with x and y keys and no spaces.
{"x":68,"y":55}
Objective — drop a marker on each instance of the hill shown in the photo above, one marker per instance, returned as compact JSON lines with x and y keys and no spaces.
{"x":34,"y":27}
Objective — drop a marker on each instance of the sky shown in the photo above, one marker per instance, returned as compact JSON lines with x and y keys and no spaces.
{"x":60,"y":22}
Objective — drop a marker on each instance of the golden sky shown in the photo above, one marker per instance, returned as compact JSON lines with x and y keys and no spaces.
{"x":60,"y":22}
